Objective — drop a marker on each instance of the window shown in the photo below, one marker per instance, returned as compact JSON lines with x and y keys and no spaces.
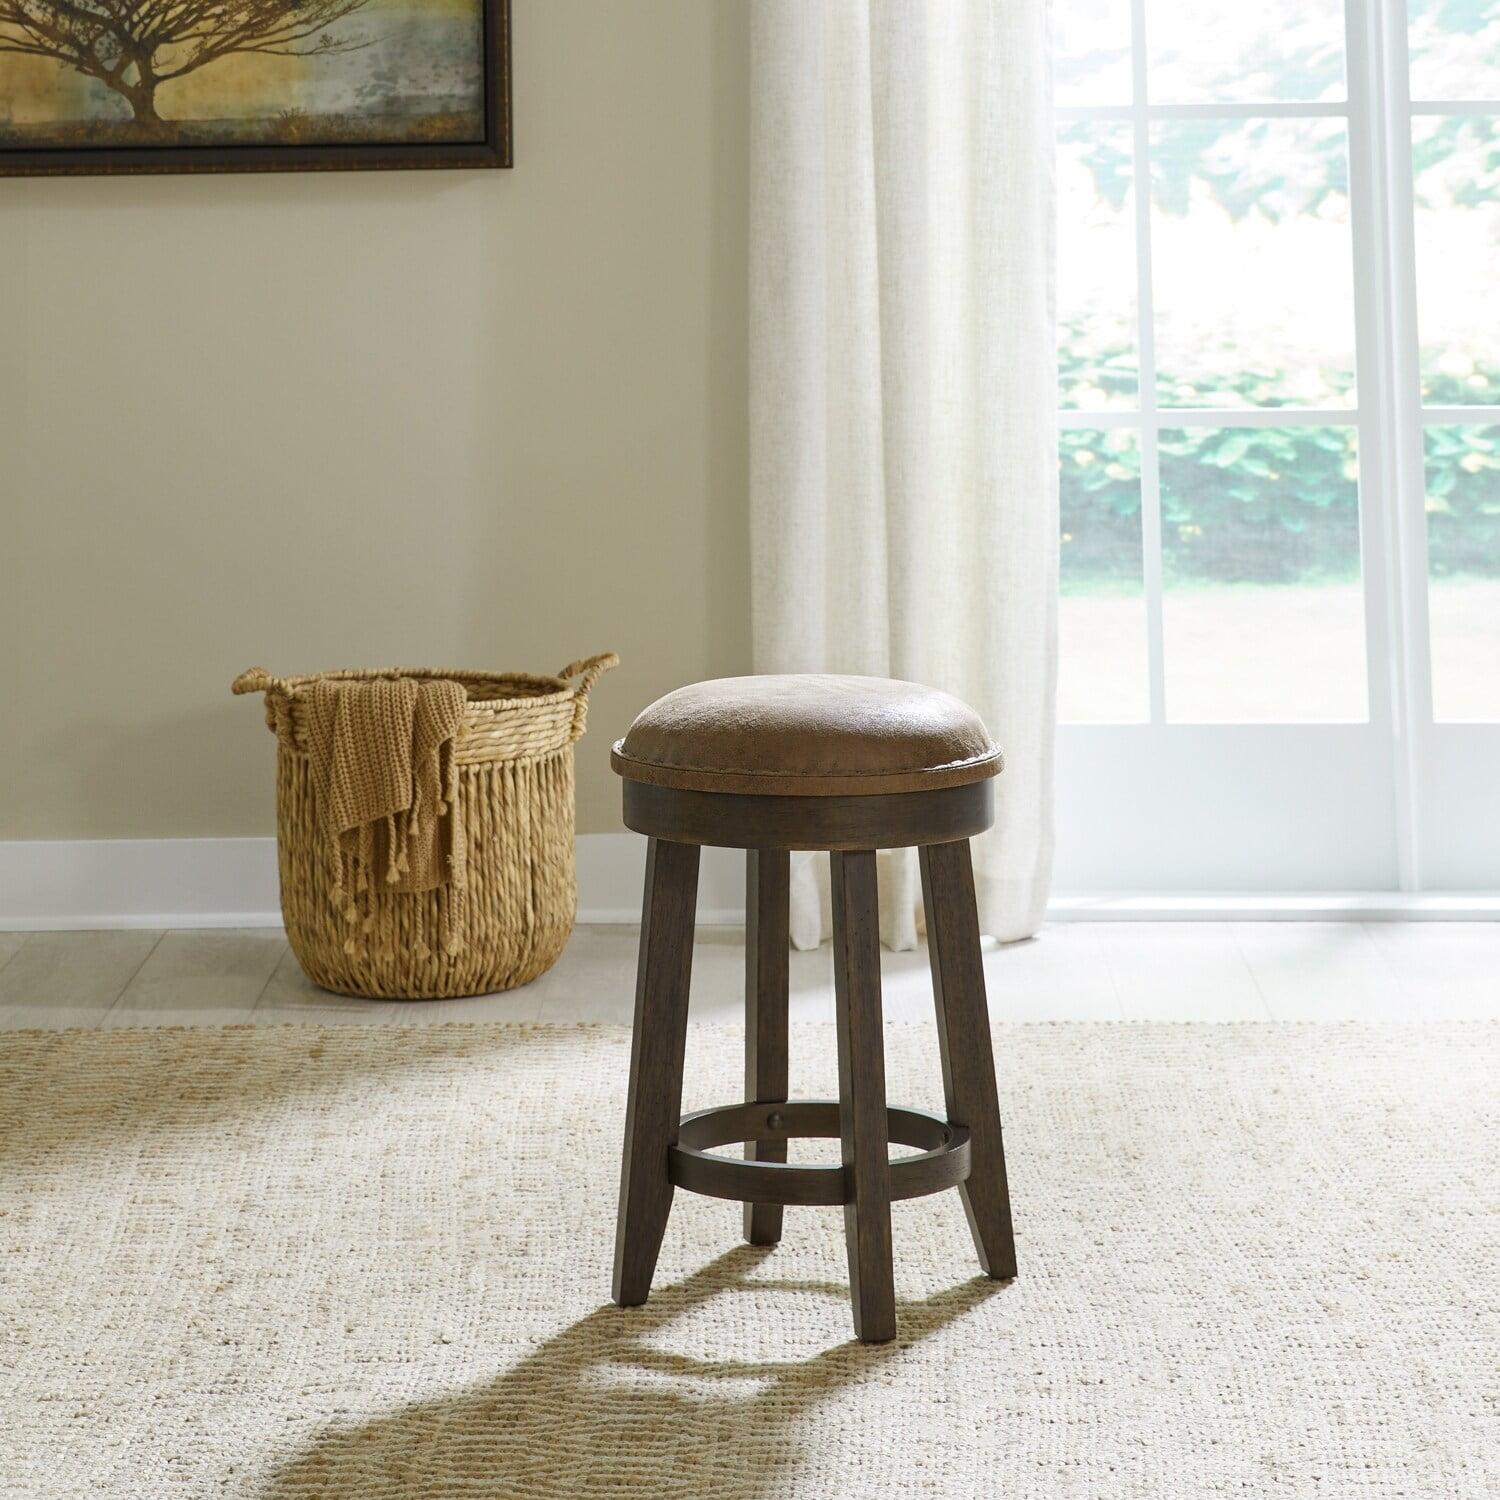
{"x":1455,"y":136}
{"x":1279,"y":393}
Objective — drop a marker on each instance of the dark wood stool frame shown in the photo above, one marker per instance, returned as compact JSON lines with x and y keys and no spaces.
{"x":664,"y":1151}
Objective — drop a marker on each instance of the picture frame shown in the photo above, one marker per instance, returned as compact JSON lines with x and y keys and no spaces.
{"x":372,"y":72}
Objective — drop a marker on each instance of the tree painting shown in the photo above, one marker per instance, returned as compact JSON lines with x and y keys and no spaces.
{"x":135,"y":46}
{"x":167,"y":74}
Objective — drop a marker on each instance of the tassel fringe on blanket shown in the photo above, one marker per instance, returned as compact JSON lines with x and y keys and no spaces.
{"x":384,"y":768}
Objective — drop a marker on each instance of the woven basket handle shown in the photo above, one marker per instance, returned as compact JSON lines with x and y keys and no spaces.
{"x":253,"y":680}
{"x":588,"y":672}
{"x":258,"y":680}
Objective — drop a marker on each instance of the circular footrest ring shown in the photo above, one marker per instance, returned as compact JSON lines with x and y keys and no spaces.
{"x":942,"y":1160}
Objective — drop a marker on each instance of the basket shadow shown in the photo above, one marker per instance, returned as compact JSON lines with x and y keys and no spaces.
{"x":598,"y":1409}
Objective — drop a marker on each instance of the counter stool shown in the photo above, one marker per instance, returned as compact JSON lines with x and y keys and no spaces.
{"x":848,"y":765}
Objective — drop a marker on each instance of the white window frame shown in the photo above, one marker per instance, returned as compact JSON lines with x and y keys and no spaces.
{"x":1417,"y":757}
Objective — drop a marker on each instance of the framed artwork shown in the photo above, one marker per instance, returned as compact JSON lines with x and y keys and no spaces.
{"x":107,"y":86}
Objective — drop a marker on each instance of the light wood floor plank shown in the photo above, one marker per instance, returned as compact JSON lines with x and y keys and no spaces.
{"x":200,"y":978}
{"x":1073,"y":971}
{"x":10,"y":945}
{"x":289,"y":995}
{"x":1059,"y":975}
{"x":1321,"y":971}
{"x":594,"y":979}
{"x":1447,"y":971}
{"x":1180,"y":971}
{"x":60,"y":979}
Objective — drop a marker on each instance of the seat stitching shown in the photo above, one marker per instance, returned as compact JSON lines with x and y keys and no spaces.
{"x":947,"y":765}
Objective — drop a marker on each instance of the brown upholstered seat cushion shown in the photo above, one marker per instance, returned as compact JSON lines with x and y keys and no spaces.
{"x":810,"y":735}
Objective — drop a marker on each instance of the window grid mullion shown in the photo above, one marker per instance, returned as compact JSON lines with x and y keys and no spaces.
{"x":1151,"y":543}
{"x":1455,"y":107}
{"x":1448,"y":416}
{"x":1391,"y":477}
{"x":1406,"y":519}
{"x":1234,"y":416}
{"x":1310,"y":109}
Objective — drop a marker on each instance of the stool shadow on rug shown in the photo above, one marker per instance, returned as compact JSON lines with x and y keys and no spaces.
{"x":601,"y":1410}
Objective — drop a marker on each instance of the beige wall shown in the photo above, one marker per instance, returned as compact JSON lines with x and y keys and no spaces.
{"x":490,"y":419}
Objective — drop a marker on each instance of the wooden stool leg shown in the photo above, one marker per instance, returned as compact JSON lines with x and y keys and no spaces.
{"x":767,"y":895}
{"x":963,"y":1022}
{"x":663,"y":974}
{"x":856,"y":982}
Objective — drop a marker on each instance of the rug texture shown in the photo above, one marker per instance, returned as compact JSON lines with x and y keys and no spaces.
{"x":288,"y":1263}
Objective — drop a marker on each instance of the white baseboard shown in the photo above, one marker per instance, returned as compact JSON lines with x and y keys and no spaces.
{"x":1284,"y":906}
{"x":612,"y":869}
{"x":75,"y":884}
{"x":70,"y":885}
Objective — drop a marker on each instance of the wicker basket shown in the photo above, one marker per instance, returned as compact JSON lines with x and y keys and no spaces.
{"x":515,"y":770}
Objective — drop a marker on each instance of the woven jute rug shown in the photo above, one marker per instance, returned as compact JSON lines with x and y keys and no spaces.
{"x":374,"y":1262}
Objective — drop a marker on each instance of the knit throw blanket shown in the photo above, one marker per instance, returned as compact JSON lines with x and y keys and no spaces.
{"x":387,"y":782}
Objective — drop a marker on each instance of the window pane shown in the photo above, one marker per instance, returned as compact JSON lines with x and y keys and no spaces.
{"x":1455,"y":49}
{"x":1463,"y":560}
{"x":1096,"y":358}
{"x":1252,"y":263}
{"x":1457,"y":164}
{"x":1091,"y":51}
{"x":1102,"y":675}
{"x":1225,"y":51}
{"x":1263,"y":613}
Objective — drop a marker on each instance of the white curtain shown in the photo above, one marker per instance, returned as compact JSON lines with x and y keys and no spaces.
{"x":903,"y":443}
